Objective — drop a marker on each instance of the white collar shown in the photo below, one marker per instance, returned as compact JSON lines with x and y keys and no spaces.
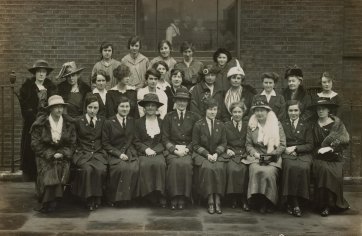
{"x":120,"y":118}
{"x":331,"y":95}
{"x":95,"y":90}
{"x":272,"y":93}
{"x":89,"y":118}
{"x":128,"y":87}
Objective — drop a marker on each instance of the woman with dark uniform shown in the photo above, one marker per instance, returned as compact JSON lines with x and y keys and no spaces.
{"x":117,"y":138}
{"x":89,"y":156}
{"x":72,"y":89}
{"x":148,"y":143}
{"x":177,"y":139}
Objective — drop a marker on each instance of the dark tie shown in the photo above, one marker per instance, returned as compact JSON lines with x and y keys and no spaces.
{"x":212,"y":127}
{"x":181,"y":117}
{"x":91,"y":123}
{"x":237,"y":126}
{"x":124,"y":123}
{"x":293,"y":126}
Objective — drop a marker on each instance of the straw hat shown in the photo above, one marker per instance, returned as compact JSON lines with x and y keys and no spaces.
{"x":55,"y":100}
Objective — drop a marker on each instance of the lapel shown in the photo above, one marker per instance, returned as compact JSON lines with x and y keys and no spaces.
{"x":205,"y":126}
{"x":116,"y":122}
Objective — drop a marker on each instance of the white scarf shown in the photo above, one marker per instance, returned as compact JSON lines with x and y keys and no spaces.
{"x":56,"y":128}
{"x":152,"y":127}
{"x":232,"y":96}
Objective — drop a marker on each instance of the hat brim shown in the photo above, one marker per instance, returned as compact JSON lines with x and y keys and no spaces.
{"x":144,"y":103}
{"x":34,"y":69}
{"x":50,"y":106}
{"x":182,"y":97}
{"x":330,"y":105}
{"x":73,"y":72}
{"x":261,"y":106}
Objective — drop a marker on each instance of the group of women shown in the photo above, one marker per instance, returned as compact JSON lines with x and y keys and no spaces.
{"x":174,"y":132}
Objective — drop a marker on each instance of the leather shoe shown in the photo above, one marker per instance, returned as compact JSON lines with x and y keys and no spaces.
{"x":297,"y":212}
{"x":245,"y":207}
{"x":173,"y":207}
{"x":181,"y":206}
{"x":211,"y":209}
{"x":218,"y":209}
{"x":325,"y":212}
{"x":262,"y":210}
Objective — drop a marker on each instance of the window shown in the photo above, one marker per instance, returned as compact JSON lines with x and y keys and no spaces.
{"x":209,"y":24}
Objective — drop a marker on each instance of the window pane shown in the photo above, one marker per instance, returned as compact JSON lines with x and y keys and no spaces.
{"x":227,"y":24}
{"x":146,"y":24}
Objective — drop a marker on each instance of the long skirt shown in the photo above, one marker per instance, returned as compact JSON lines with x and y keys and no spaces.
{"x":263,"y":180}
{"x":52,"y":193}
{"x":328,"y":177}
{"x":179,"y":175}
{"x":237,"y":178}
{"x":122,"y":183}
{"x":28,"y":163}
{"x":90,"y":179}
{"x":212,"y":178}
{"x":296,"y":178}
{"x":152,"y":174}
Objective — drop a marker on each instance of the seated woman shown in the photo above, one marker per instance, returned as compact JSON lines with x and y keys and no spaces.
{"x":207,"y":89}
{"x":148,"y":143}
{"x":177,"y":138}
{"x":162,"y":67}
{"x":297,"y":159}
{"x":209,"y":146}
{"x":117,"y":138}
{"x":164,"y":49}
{"x":330,"y":138}
{"x":122,"y":89}
{"x":89,"y":156}
{"x":177,"y":77}
{"x":100,"y":78}
{"x":152,"y":78}
{"x":265,"y":142}
{"x":275,"y":101}
{"x":237,"y":172}
{"x":72,"y":89}
{"x":53,"y":140}
{"x":238,"y":91}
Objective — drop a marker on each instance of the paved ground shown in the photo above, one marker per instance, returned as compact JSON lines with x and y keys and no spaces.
{"x":17,"y":218}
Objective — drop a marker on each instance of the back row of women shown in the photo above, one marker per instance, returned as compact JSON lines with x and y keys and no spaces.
{"x":220,"y":140}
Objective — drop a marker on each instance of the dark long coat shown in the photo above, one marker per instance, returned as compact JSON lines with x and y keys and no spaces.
{"x":305,"y":101}
{"x":112,"y":102}
{"x":277,"y":104}
{"x":179,"y":169}
{"x":52,"y":172}
{"x":29,"y":104}
{"x":123,"y":174}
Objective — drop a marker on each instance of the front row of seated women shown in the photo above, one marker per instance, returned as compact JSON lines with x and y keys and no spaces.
{"x":182,"y":156}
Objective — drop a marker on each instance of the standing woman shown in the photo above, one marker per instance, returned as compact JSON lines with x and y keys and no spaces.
{"x":209,"y":146}
{"x":296,"y":91}
{"x":275,"y":101}
{"x":53,"y":139}
{"x":122,"y":89}
{"x":177,"y":77}
{"x":207,"y":89}
{"x":89,"y":156}
{"x":177,"y":139}
{"x":297,"y":160}
{"x":164,"y":49}
{"x":136,"y":62}
{"x":72,"y":89}
{"x":117,"y":138}
{"x":330,"y":138}
{"x":237,"y":91}
{"x":148,"y":143}
{"x":223,"y":60}
{"x":107,"y":63}
{"x":34,"y":94}
{"x":237,"y":172}
{"x":100,"y":79}
{"x":152,"y":78}
{"x":265,"y":142}
{"x":191,"y":67}
{"x":163,"y":68}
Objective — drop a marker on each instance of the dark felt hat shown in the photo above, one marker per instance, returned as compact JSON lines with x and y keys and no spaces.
{"x":69,"y":68}
{"x":150,"y":98}
{"x":327,"y":102}
{"x":182,"y":93}
{"x":260,"y":101}
{"x":40,"y":64}
{"x":293,"y":71}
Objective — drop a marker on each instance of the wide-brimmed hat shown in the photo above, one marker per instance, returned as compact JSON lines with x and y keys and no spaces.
{"x":236,"y":70}
{"x":69,"y":68}
{"x":40,"y":64}
{"x":55,"y":100}
{"x":150,"y":98}
{"x":210,"y":69}
{"x":182,"y":93}
{"x":260,"y":101}
{"x":321,"y":101}
{"x":294,"y":71}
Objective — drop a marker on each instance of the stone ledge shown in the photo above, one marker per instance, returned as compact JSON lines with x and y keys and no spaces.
{"x":17,"y":176}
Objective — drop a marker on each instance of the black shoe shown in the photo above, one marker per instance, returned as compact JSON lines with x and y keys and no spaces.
{"x":173,"y":207}
{"x":245,"y":207}
{"x":262,"y":210}
{"x":325,"y":212}
{"x":290,"y":210}
{"x":218,"y":209}
{"x":297,"y":211}
{"x":211,"y":209}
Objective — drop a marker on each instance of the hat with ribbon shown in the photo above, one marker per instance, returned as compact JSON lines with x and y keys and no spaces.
{"x":40,"y":64}
{"x":55,"y":100}
{"x":150,"y":98}
{"x":322,"y":101}
{"x":182,"y":93}
{"x":260,"y":102}
{"x":69,"y":68}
